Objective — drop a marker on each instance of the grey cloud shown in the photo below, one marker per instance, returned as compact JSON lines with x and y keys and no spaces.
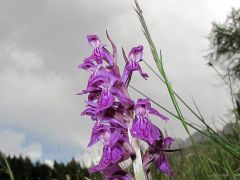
{"x":56,"y":30}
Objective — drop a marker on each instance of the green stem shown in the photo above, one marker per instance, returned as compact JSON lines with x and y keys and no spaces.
{"x":158,"y":60}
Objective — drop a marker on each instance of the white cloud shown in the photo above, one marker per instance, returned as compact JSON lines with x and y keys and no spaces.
{"x":49,"y":162}
{"x":13,"y":143}
{"x":37,"y":100}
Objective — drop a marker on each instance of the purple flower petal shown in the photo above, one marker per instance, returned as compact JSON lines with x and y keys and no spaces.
{"x":126,"y":77}
{"x":89,"y":66}
{"x":82,"y":92}
{"x":143,"y":107}
{"x":98,"y":133}
{"x":99,"y":52}
{"x":90,"y":110}
{"x":167,"y":142}
{"x":106,"y":100}
{"x":115,"y":151}
{"x":163,"y":165}
{"x":129,"y":68}
{"x":143,"y":129}
{"x":115,"y":136}
{"x":144,"y":75}
{"x":115,"y":172}
{"x":157,"y":113}
{"x":132,"y":64}
{"x":136,"y":54}
{"x":124,"y":99}
{"x":94,"y":41}
{"x":110,"y":156}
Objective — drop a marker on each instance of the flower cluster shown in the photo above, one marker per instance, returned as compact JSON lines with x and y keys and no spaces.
{"x":116,"y":116}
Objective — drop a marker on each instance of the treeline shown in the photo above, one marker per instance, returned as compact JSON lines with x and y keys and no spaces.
{"x":25,"y":169}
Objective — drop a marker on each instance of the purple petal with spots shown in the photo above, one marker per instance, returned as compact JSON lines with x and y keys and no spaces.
{"x":110,"y":156}
{"x":143,"y":129}
{"x":94,"y":41}
{"x":106,"y":100}
{"x":123,"y":99}
{"x":98,"y":133}
{"x":100,"y":52}
{"x":134,"y":57}
{"x":136,"y":54}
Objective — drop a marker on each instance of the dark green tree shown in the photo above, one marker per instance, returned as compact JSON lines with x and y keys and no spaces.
{"x":75,"y":171}
{"x":225,"y":53}
{"x":59,"y":171}
{"x":41,"y":171}
{"x":25,"y":169}
{"x":225,"y":44}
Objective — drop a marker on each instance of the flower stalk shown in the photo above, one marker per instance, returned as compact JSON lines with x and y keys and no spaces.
{"x":137,"y":159}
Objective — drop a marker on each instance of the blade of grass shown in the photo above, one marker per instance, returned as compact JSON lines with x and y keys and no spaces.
{"x":225,"y":145}
{"x":158,"y":60}
{"x":227,"y":167}
{"x":200,"y":117}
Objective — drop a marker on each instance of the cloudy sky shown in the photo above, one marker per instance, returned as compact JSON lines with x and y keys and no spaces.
{"x":42,"y":42}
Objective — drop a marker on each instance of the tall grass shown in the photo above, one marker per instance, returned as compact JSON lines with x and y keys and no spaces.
{"x":228,"y":152}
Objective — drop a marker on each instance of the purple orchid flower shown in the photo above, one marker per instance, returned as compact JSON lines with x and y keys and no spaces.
{"x":114,"y":151}
{"x":156,"y":154}
{"x":143,"y":108}
{"x":161,"y":159}
{"x":112,"y":110}
{"x":142,"y":127}
{"x":100,"y":53}
{"x":134,"y":57}
{"x":90,"y":110}
{"x":100,"y":132}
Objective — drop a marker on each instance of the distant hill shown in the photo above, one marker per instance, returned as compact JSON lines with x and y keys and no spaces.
{"x":200,"y":138}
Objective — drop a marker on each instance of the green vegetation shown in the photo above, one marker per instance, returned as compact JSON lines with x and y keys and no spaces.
{"x":219,"y":156}
{"x":25,"y":169}
{"x":219,"y":163}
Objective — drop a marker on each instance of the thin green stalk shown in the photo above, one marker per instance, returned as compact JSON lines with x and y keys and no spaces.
{"x":227,"y":167}
{"x":158,"y":60}
{"x":194,"y":113}
{"x":229,"y":84}
{"x":186,"y":105}
{"x":213,"y":134}
{"x":171,"y":113}
{"x":233,"y":103}
{"x":227,"y":146}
